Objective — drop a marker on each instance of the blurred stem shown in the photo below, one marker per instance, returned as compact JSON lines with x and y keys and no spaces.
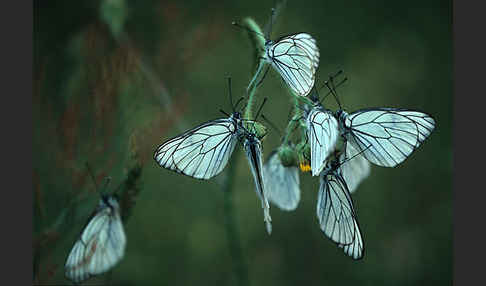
{"x":290,"y":127}
{"x":256,"y":37}
{"x":236,"y":253}
{"x":297,"y":117}
{"x":252,"y":90}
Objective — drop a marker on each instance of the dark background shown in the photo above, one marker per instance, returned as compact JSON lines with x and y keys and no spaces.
{"x":111,"y":84}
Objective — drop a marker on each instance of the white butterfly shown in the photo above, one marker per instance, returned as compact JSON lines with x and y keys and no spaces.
{"x":203,"y":151}
{"x":253,"y":150}
{"x":101,"y":244}
{"x":385,"y":136}
{"x":281,"y":183}
{"x":323,"y":133}
{"x":295,"y":57}
{"x":336,"y":213}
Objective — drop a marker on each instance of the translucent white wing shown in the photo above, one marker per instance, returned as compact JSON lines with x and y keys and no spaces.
{"x":296,"y":58}
{"x":201,"y":152}
{"x":281,"y":183}
{"x":354,"y":170}
{"x":387,"y":135}
{"x":335,"y":210}
{"x":100,"y":246}
{"x":323,"y":132}
{"x":253,"y":152}
{"x":355,"y":249}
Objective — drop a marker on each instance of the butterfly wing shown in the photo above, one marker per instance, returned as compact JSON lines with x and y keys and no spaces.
{"x":101,"y":245}
{"x":253,"y":152}
{"x":323,"y":132}
{"x":356,"y":249}
{"x":296,"y":58}
{"x":355,"y":169}
{"x":335,"y":210}
{"x":387,"y":136}
{"x":281,"y":183}
{"x":201,"y":152}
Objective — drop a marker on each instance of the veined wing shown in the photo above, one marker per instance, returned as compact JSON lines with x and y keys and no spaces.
{"x":355,"y":249}
{"x":387,"y":136}
{"x":335,"y":210}
{"x":354,"y":169}
{"x":201,"y":152}
{"x":100,"y":246}
{"x":281,"y":183}
{"x":323,"y":132}
{"x":296,"y":58}
{"x":253,"y":152}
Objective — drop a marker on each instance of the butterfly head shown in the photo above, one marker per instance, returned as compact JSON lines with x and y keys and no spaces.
{"x":108,"y":201}
{"x":341,"y":115}
{"x":268,"y":43}
{"x":236,"y":116}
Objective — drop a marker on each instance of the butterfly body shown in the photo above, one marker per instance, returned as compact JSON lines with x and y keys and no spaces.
{"x":253,"y":150}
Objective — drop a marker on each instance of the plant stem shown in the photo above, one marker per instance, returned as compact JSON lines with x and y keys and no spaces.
{"x":239,"y":264}
{"x":236,"y":253}
{"x":252,"y":90}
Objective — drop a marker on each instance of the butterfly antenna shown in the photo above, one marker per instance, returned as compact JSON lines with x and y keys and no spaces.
{"x":234,"y":23}
{"x":314,"y":97}
{"x":260,"y":109}
{"x":272,"y":125}
{"x":108,"y":180}
{"x":337,"y":85}
{"x":230,"y":94}
{"x":238,"y":102}
{"x":90,"y":171}
{"x":332,"y":77}
{"x":332,"y":90}
{"x":272,"y":15}
{"x":115,"y":192}
{"x":222,"y":111}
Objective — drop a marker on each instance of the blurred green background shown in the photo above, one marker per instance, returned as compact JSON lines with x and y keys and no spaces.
{"x":114,"y":79}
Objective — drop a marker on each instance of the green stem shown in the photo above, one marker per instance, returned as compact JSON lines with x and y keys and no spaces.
{"x":256,"y":37}
{"x":236,"y":253}
{"x":239,"y":264}
{"x":252,"y":90}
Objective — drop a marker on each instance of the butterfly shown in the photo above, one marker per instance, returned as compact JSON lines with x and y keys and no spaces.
{"x":101,"y":244}
{"x":385,"y":136}
{"x":296,"y":58}
{"x":281,"y":183}
{"x":205,"y":150}
{"x":335,"y":211}
{"x":323,"y":133}
{"x":253,"y":151}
